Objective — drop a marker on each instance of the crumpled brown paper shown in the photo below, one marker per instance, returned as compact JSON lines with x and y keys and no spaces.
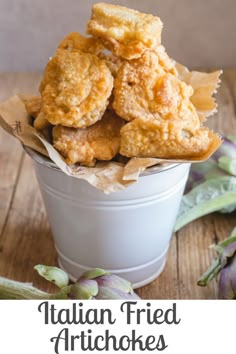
{"x":204,"y":85}
{"x":16,"y":121}
{"x":108,"y":176}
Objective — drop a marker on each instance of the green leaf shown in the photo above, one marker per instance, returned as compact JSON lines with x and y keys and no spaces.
{"x":210,"y":196}
{"x":85,"y":289}
{"x":94,"y":273}
{"x":232,"y":138}
{"x":228,"y":164}
{"x":53,"y":274}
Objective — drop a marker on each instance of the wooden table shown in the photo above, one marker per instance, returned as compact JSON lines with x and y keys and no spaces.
{"x":25,"y":235}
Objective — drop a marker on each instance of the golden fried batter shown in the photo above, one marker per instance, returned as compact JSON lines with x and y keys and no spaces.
{"x":145,"y":88}
{"x":75,"y":89}
{"x":75,"y":40}
{"x":170,"y":140}
{"x":32,"y":105}
{"x":127,"y":33}
{"x":113,"y":62}
{"x":100,"y":141}
{"x":41,"y":122}
{"x":164,"y":105}
{"x":168,"y":64}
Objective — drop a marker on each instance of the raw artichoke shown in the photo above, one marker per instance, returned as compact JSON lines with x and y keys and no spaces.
{"x":225,"y":266}
{"x":92,"y":285}
{"x":99,"y":284}
{"x":211,"y":185}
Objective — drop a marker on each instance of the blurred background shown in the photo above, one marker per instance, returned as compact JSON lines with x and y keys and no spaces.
{"x":199,"y":33}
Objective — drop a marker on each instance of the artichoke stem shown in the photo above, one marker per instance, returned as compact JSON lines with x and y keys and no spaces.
{"x":211,"y":272}
{"x":10,"y":289}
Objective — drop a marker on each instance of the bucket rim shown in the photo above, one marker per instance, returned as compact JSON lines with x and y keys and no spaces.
{"x":45,"y":161}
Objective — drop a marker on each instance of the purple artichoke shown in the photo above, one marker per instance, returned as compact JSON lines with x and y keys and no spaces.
{"x":225,"y":266}
{"x":221,"y":163}
{"x":227,"y":281}
{"x":96,"y":284}
{"x":101,"y":285}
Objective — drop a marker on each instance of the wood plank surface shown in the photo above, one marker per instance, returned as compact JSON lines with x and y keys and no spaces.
{"x":25,"y":235}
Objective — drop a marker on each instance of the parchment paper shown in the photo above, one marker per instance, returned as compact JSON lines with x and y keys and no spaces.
{"x":108,"y":176}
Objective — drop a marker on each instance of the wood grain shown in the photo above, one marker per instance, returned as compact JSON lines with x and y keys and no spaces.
{"x":25,"y":236}
{"x":194,"y":254}
{"x":26,"y":239}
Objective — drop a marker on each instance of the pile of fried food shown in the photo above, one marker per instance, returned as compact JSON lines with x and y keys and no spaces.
{"x":117,"y":93}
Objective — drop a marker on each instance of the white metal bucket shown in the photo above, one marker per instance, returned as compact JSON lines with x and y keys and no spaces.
{"x":126,"y":233}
